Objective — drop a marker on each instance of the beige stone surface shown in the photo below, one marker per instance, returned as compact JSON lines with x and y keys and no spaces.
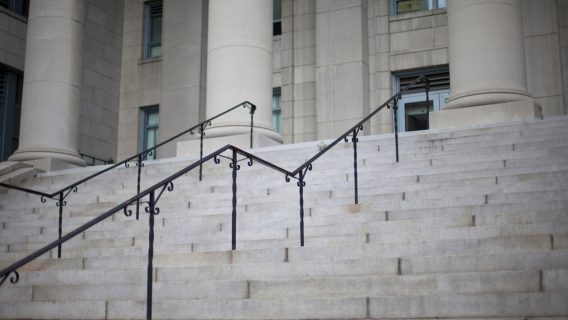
{"x":486,"y":114}
{"x":342,"y":66}
{"x":184,"y":45}
{"x":100,"y":88}
{"x":13,"y":30}
{"x":140,"y":81}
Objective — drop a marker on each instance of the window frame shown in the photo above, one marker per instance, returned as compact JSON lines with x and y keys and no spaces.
{"x":149,"y":20}
{"x":144,"y":127}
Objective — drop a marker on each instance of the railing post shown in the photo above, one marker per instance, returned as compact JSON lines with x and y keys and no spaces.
{"x":301,"y":184}
{"x":201,"y":134}
{"x":427,"y":85}
{"x":60,"y":203}
{"x":251,"y":125}
{"x":235,"y":167}
{"x":354,"y":139}
{"x":139,"y":164}
{"x":395,"y":110}
{"x":151,"y":211}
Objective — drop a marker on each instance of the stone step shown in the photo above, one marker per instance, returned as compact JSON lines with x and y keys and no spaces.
{"x":454,"y":305}
{"x":54,"y":310}
{"x":543,"y":260}
{"x":432,"y":248}
{"x":355,"y":247}
{"x":337,"y":287}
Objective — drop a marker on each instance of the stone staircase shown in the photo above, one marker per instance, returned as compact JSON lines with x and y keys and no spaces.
{"x":471,"y":223}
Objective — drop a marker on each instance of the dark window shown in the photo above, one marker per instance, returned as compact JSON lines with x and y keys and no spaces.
{"x":20,"y":7}
{"x":277,"y":18}
{"x":276,"y":109}
{"x":149,"y":127}
{"x":152,"y":29}
{"x":10,"y":110}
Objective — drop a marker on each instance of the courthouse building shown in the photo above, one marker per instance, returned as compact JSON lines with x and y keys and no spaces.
{"x":108,"y":78}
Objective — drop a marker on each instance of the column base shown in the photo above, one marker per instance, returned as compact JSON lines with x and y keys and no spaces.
{"x":485,"y":97}
{"x":48,"y":159}
{"x":190,"y":148}
{"x":486,"y":114}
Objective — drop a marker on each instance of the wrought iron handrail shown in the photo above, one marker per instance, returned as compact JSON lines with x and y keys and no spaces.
{"x":298,"y":174}
{"x":144,"y":153}
{"x":60,"y":195}
{"x":165,"y":184}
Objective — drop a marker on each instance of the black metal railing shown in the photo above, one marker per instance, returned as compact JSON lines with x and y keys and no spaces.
{"x":155,"y":192}
{"x":60,"y":196}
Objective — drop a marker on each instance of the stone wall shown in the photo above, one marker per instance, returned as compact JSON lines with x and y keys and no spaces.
{"x":563,"y":42}
{"x":175,"y":81}
{"x":141,"y":79}
{"x":12,"y":39}
{"x":342,"y":65}
{"x":101,"y":78}
{"x":298,"y":58}
{"x":542,"y":55}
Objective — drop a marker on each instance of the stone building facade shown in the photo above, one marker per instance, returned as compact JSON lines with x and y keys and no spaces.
{"x":107,"y":78}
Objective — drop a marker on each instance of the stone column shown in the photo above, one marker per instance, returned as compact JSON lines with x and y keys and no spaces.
{"x":239,"y":66}
{"x":487,"y":55}
{"x":52,"y":82}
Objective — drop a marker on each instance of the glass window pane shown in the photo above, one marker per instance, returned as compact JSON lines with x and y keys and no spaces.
{"x":155,"y":51}
{"x":442,"y":4}
{"x":149,"y":129}
{"x":276,"y":121}
{"x":156,"y":32}
{"x":153,"y":119}
{"x":150,"y":138}
{"x":403,"y":6}
{"x":277,"y":10}
{"x":275,"y":102}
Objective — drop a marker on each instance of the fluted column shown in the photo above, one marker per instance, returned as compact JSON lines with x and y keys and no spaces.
{"x":487,"y":56}
{"x":239,"y":65}
{"x":52,"y":81}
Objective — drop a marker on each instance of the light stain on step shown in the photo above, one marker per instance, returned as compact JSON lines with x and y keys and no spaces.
{"x":353,"y":208}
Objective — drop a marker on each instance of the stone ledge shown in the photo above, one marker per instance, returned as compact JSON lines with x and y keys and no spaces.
{"x":487,"y":114}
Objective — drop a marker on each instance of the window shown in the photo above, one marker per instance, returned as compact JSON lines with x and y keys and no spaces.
{"x":277,"y":18}
{"x":413,"y":111}
{"x":404,"y":6}
{"x":10,"y":109}
{"x":149,"y":127}
{"x":152,"y":29}
{"x":276,"y":109}
{"x":20,"y":7}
